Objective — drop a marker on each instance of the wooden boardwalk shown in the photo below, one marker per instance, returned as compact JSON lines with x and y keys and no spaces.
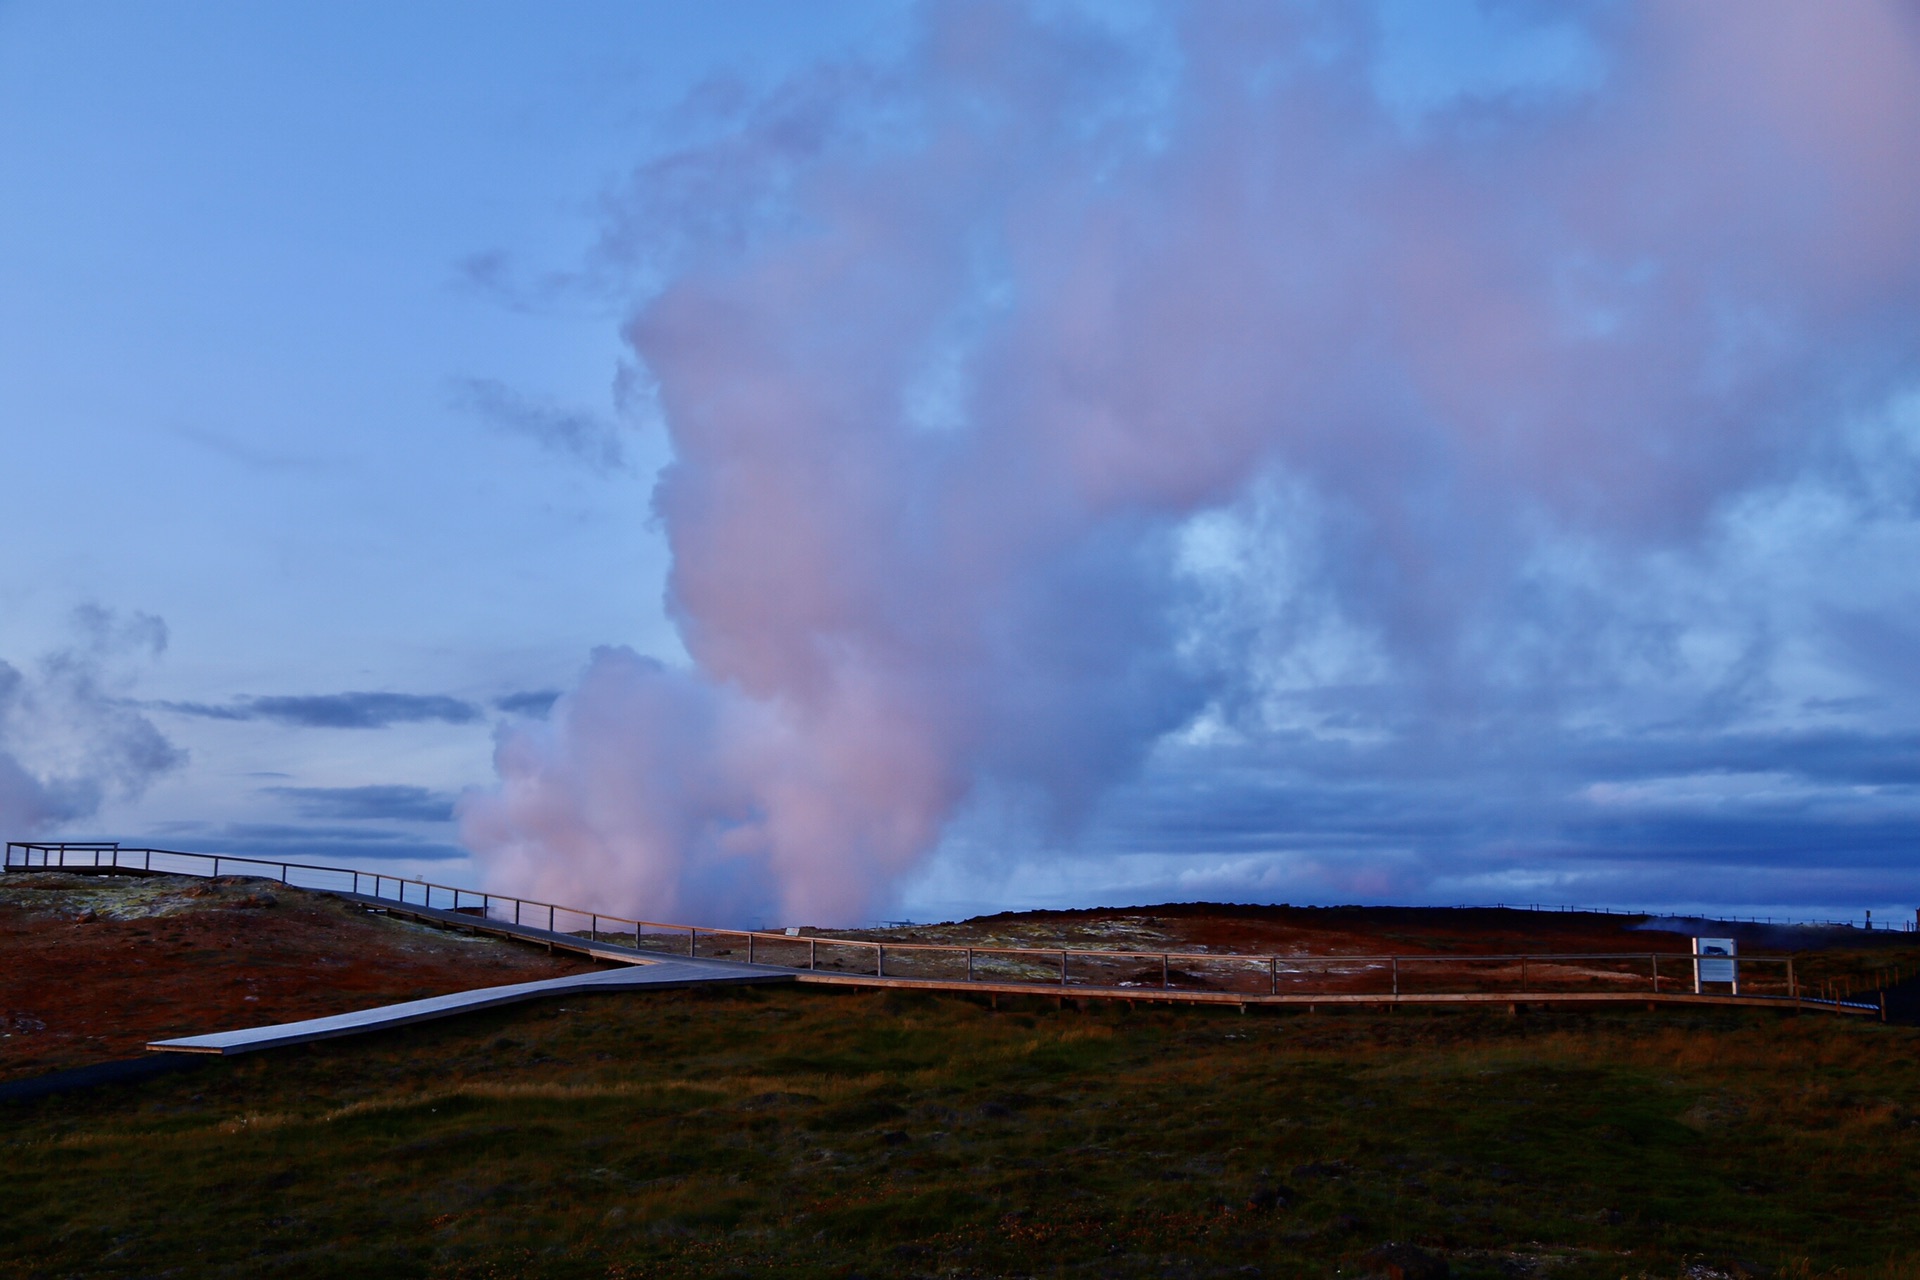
{"x":650,"y":975}
{"x":655,"y":968}
{"x":601,"y":949}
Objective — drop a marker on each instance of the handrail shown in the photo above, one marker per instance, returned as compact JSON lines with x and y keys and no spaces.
{"x":109,"y":854}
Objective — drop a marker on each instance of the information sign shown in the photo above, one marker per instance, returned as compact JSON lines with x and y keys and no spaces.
{"x":1713,"y":962}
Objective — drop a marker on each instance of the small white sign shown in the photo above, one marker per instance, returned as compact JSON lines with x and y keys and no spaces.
{"x":1714,"y":962}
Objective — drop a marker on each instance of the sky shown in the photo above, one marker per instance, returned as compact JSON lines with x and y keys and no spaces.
{"x":810,"y":464}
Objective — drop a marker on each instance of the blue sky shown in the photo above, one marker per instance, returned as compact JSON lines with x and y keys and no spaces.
{"x":246,"y":258}
{"x":953,"y":457}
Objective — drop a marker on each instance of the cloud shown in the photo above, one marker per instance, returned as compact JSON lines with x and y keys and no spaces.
{"x":579,"y":436}
{"x":249,"y":455}
{"x":1069,"y":406}
{"x":337,"y":710}
{"x":69,"y":739}
{"x":536,"y":703}
{"x":387,"y":803}
{"x":319,"y":844}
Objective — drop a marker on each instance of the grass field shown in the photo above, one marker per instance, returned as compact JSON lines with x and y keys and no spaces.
{"x":794,"y":1132}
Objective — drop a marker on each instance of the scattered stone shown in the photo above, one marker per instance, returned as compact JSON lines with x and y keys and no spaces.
{"x":895,"y":1138}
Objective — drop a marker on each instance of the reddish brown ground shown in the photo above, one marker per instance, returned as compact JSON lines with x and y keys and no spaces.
{"x":95,"y":967}
{"x":1363,"y":930}
{"x":1453,"y":937}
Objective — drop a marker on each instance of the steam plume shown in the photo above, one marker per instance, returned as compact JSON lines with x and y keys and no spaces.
{"x":1067,"y":388}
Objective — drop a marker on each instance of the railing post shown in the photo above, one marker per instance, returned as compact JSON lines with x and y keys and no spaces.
{"x":1164,"y":983}
{"x":969,"y":964}
{"x":283,"y":873}
{"x":1396,"y":977}
{"x":879,"y":959}
{"x":516,"y":912}
{"x":593,"y":927}
{"x":550,"y":911}
{"x":749,"y":948}
{"x":1523,"y":973}
{"x":1273,"y":975}
{"x":813,"y":950}
{"x":692,"y":934}
{"x":1655,"y":957}
{"x":216,"y":863}
{"x":1063,"y":968}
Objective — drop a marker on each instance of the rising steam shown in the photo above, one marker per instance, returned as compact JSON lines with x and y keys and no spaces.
{"x":985,"y":372}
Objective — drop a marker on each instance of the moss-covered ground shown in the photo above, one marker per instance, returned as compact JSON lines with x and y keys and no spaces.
{"x":808,"y":1132}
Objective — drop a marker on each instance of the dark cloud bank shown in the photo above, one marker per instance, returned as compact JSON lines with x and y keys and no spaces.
{"x":1098,"y":444}
{"x":388,"y":803}
{"x":364,"y":710}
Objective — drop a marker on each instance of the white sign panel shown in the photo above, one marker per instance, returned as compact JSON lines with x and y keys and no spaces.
{"x":1714,"y":962}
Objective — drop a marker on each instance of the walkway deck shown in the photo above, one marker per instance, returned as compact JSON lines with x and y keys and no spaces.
{"x":646,"y":975}
{"x":652,"y":967}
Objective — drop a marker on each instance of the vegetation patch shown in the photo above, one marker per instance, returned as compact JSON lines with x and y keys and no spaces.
{"x":807,"y":1132}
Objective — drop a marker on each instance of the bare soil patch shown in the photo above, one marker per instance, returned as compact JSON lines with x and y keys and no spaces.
{"x":97,"y":966}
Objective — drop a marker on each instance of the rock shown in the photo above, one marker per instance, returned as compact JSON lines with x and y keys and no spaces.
{"x":1406,"y":1262}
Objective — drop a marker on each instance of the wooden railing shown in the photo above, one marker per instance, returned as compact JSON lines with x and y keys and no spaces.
{"x":1629,"y":975}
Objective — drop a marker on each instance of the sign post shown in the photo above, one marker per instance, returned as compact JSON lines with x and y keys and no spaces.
{"x":1713,"y":962}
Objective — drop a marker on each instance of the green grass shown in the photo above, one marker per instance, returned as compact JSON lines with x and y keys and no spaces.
{"x":794,"y":1132}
